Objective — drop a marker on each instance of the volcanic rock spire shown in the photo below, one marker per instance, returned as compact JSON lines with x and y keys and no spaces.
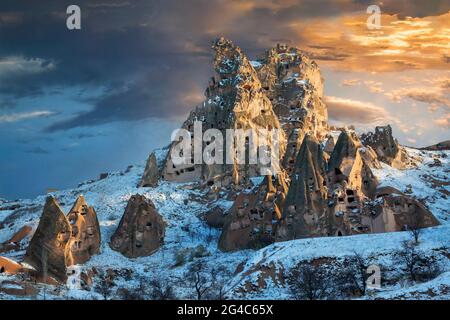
{"x":141,"y":229}
{"x":85,"y":236}
{"x":47,"y":249}
{"x":305,"y":208}
{"x":60,"y":241}
{"x":151,"y":173}
{"x":234,"y":100}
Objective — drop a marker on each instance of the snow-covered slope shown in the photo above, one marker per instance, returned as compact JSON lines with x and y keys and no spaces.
{"x":262,"y":276}
{"x":250,"y":274}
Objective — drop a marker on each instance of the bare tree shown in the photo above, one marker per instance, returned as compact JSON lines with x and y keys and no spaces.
{"x":130,"y":294}
{"x":354,"y":276}
{"x":417,"y":266}
{"x":104,"y":285}
{"x":409,"y":259}
{"x":414,"y":225}
{"x":308,"y":282}
{"x":198,"y":278}
{"x":219,"y":278}
{"x":161,"y":290}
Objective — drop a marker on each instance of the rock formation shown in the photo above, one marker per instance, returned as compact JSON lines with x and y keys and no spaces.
{"x":9,"y":266}
{"x":151,"y":173}
{"x":386,"y":147}
{"x":234,"y":100}
{"x":294,"y":84}
{"x":444,"y":145}
{"x":395,"y":211}
{"x":141,"y":229}
{"x":248,"y":224}
{"x":349,"y":165}
{"x":47,"y":249}
{"x":84,"y":241}
{"x":324,"y":186}
{"x":305,"y":208}
{"x":61,"y":241}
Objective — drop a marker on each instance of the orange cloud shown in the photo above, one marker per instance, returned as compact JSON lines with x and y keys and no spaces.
{"x":345,"y":43}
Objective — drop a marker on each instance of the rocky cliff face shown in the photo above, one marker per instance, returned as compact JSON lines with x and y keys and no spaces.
{"x":141,"y":229}
{"x":294,"y":84}
{"x":234,"y":100}
{"x":324,"y":186}
{"x":386,"y":147}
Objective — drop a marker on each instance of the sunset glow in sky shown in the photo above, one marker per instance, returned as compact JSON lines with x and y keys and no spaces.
{"x":74,"y":104}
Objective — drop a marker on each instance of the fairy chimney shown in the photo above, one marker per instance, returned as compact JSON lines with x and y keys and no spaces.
{"x":305,"y":208}
{"x":141,"y":229}
{"x":151,"y":173}
{"x":47,"y":249}
{"x":61,"y":241}
{"x":349,"y":164}
{"x":84,"y":241}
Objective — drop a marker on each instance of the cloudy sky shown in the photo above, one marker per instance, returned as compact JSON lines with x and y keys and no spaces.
{"x":74,"y":104}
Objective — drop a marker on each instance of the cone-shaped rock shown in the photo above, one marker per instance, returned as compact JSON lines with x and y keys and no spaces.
{"x":151,"y":173}
{"x":349,"y":164}
{"x":85,"y":237}
{"x":46,"y":252}
{"x":305,"y":208}
{"x":141,"y":229}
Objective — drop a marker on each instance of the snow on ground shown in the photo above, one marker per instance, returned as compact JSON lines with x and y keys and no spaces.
{"x":420,"y":182}
{"x":181,"y":205}
{"x":429,"y":182}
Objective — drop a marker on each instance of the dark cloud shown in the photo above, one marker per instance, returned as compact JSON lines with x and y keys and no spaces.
{"x":149,"y":55}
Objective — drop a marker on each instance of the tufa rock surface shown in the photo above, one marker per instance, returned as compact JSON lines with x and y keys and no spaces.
{"x":234,"y":100}
{"x":305,"y":208}
{"x":294,"y":84}
{"x":84,"y":241}
{"x":248,"y":224}
{"x":151,"y":173}
{"x":386,"y":147}
{"x":60,"y":241}
{"x":395,"y":211}
{"x":141,"y":229}
{"x":349,"y":165}
{"x":47,"y":249}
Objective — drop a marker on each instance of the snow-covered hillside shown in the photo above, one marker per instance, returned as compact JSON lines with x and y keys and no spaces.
{"x":247,"y":274}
